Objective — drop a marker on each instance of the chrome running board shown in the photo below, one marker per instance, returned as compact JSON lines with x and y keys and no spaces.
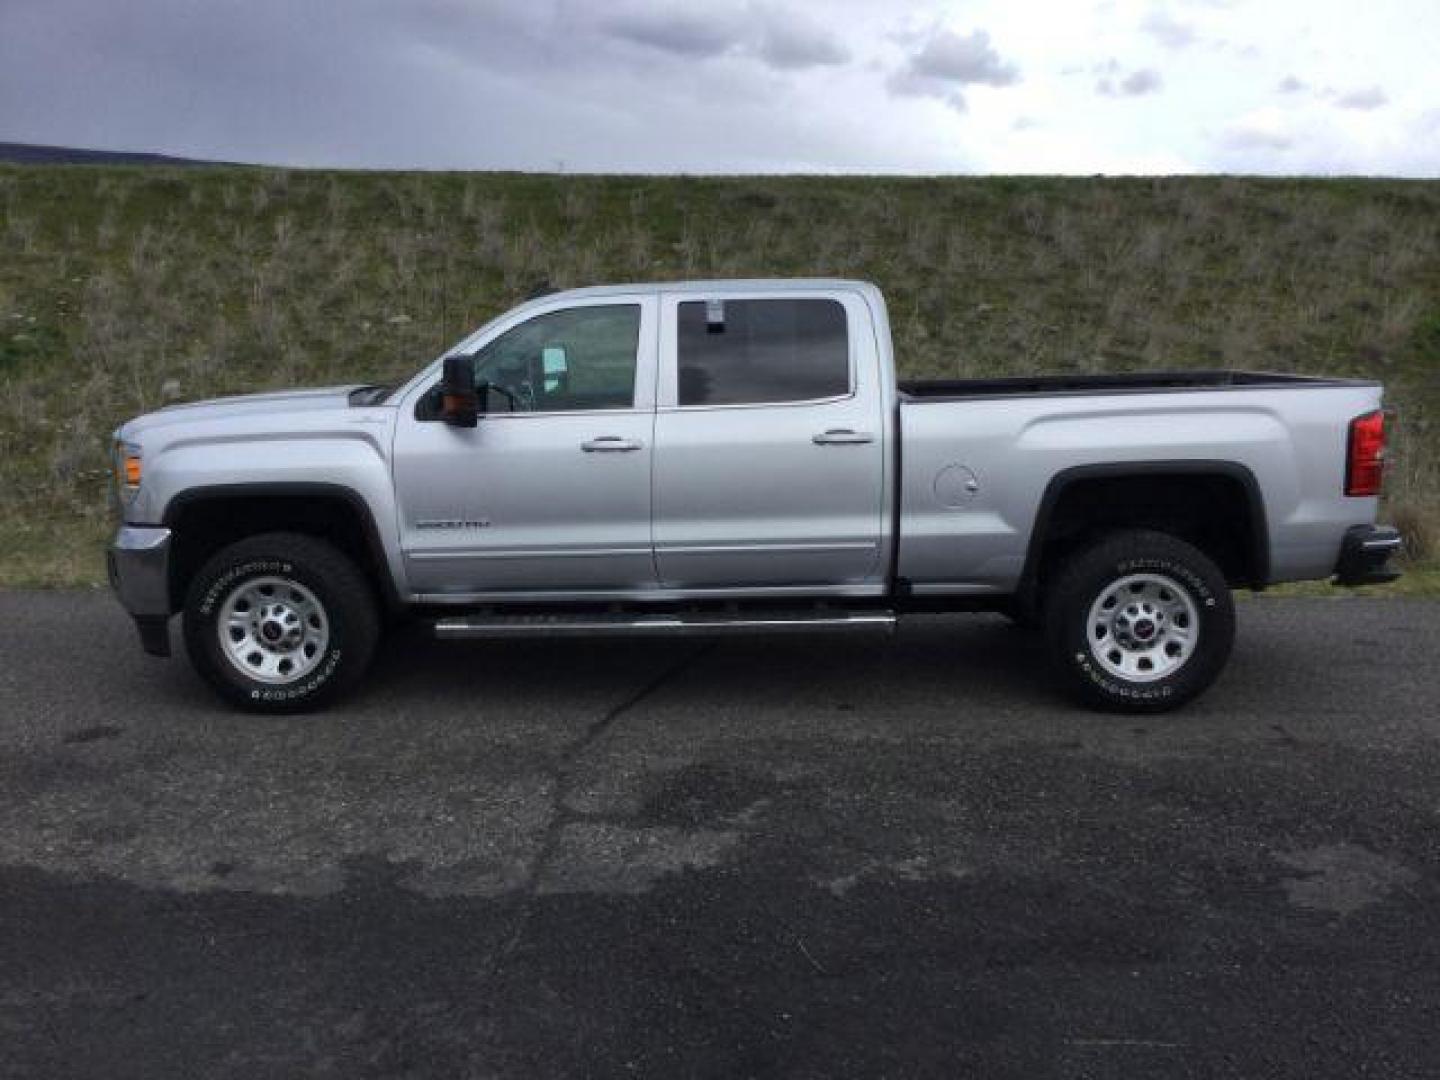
{"x":667,"y":624}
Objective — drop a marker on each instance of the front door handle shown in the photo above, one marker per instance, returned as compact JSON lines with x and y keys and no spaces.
{"x":842,"y":437}
{"x":610,"y":444}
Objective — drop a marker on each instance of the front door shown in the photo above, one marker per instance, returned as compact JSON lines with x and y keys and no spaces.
{"x":551,"y":490}
{"x":769,"y":444}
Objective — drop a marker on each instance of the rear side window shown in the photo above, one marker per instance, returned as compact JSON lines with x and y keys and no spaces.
{"x":748,"y":352}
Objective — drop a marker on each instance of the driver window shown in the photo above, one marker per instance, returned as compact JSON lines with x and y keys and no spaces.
{"x":563,"y":361}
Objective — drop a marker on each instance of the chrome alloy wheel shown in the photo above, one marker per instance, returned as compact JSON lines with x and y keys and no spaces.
{"x":1143,"y":627}
{"x":273,"y":630}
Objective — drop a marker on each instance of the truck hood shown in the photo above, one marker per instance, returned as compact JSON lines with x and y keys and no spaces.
{"x":242,"y":406}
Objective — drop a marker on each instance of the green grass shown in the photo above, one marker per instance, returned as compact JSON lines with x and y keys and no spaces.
{"x":1415,"y":581}
{"x":124,"y":288}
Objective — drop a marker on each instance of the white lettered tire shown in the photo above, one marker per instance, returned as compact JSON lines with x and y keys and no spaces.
{"x":280,"y":623}
{"x":1139,"y":622}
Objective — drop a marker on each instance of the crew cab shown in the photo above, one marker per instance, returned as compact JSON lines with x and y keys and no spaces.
{"x":737,"y":457}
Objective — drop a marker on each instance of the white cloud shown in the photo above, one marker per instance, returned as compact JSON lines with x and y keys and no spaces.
{"x":1262,"y":129}
{"x":947,"y":62}
{"x":1133,"y":84}
{"x":780,"y":37}
{"x":696,"y":33}
{"x":1366,"y":98}
{"x":1167,"y":30}
{"x":790,"y":41}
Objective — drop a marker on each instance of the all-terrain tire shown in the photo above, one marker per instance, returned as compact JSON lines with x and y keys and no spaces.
{"x":1138,"y":622}
{"x":281,"y":623}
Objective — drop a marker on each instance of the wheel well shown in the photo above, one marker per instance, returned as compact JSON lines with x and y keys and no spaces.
{"x":1218,"y":512}
{"x":204,"y":524}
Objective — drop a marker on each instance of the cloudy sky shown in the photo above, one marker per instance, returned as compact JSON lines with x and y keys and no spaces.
{"x":927,"y":86}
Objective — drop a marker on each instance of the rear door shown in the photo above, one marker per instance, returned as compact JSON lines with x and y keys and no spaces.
{"x":769,"y":442}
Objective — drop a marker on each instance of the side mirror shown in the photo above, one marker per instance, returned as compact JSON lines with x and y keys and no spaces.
{"x":459,"y":403}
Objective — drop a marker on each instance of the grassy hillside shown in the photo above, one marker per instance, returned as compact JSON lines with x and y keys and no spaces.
{"x":123,"y":288}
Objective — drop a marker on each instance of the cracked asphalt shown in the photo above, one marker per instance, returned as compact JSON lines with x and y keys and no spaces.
{"x":787,"y":857}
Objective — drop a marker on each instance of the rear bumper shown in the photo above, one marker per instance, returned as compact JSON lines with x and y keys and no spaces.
{"x":138,"y":563}
{"x":1365,"y":555}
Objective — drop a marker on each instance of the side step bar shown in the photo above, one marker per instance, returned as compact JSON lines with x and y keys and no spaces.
{"x":662,"y":625}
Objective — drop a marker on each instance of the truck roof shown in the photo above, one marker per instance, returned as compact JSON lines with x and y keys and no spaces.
{"x":715,"y":285}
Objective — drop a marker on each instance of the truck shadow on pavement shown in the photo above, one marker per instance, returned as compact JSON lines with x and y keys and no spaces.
{"x":974,"y":661}
{"x":970,"y":665}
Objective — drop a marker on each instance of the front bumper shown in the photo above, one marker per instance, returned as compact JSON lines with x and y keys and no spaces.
{"x":1365,"y":555}
{"x":138,"y":563}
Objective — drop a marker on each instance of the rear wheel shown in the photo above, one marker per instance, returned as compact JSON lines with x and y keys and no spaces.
{"x":1139,"y":622}
{"x":280,"y":623}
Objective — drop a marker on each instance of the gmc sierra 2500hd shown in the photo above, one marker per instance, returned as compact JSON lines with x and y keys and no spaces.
{"x":737,"y":457}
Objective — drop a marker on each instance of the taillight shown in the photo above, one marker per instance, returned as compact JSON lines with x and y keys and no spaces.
{"x":1365,"y":459}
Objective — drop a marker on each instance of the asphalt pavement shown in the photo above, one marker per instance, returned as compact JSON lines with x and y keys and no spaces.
{"x":812,"y":857}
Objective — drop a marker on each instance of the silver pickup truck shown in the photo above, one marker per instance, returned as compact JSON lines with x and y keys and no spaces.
{"x":737,"y":457}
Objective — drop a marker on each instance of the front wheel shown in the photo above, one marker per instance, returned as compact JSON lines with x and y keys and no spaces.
{"x":280,"y":623}
{"x":1139,"y":622}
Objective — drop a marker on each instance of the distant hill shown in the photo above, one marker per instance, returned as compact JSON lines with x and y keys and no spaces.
{"x":124,"y":288}
{"x":32,"y":154}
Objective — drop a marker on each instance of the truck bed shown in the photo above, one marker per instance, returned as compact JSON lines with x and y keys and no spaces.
{"x":979,"y":454}
{"x":1115,"y":383}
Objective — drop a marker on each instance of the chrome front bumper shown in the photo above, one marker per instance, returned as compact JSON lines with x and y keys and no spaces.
{"x":138,"y":563}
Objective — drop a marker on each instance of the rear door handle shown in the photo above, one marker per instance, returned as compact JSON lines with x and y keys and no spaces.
{"x":610,"y":444}
{"x":842,"y":437}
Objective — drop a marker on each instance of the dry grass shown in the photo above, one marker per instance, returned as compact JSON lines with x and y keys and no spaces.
{"x":122,"y":288}
{"x":1420,"y":525}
